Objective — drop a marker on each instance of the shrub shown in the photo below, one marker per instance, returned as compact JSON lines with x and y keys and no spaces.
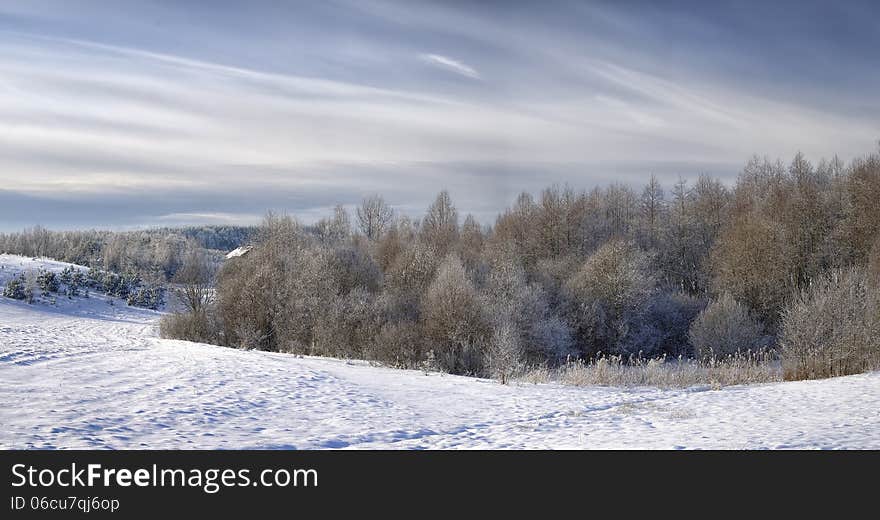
{"x":832,"y":328}
{"x":116,"y":285}
{"x":94,"y":278}
{"x":724,"y":328}
{"x":243,"y":292}
{"x":151,"y":297}
{"x":74,"y":279}
{"x":400,"y":345}
{"x":550,"y":337}
{"x":17,"y":289}
{"x":66,"y":275}
{"x":47,"y":281}
{"x":188,"y":326}
{"x":664,"y":325}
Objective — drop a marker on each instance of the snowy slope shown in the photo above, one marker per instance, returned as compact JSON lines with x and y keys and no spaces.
{"x":10,"y":265}
{"x":85,"y":374}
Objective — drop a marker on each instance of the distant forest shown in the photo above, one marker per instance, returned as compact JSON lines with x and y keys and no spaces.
{"x":155,"y":253}
{"x":786,"y":262}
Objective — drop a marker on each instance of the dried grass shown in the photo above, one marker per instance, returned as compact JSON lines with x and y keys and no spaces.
{"x":739,"y":369}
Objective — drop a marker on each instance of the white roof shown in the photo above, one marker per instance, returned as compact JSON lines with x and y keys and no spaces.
{"x":239,"y":251}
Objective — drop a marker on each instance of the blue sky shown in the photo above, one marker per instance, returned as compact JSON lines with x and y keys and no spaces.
{"x":135,"y":113}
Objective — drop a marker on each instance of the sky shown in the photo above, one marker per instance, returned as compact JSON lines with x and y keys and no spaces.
{"x":124,"y":114}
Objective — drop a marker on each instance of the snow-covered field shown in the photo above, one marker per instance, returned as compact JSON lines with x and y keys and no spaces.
{"x":87,"y":374}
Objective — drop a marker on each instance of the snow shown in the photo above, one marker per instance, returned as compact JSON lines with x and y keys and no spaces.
{"x":11,"y":265}
{"x":87,"y":374}
{"x":238,"y":251}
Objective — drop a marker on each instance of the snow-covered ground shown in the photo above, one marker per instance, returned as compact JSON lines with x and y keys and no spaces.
{"x":87,"y":374}
{"x":11,"y":265}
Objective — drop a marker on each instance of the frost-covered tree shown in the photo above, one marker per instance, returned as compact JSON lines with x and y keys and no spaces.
{"x":440,"y":224}
{"x":873,"y":272}
{"x":262,"y":295}
{"x":542,"y":337}
{"x":653,"y":213}
{"x":350,"y":267}
{"x":348,"y":325}
{"x":725,"y":327}
{"x":621,"y":207}
{"x":455,"y":323}
{"x":607,"y":295}
{"x":505,"y":352}
{"x":412,"y":271}
{"x":388,"y":248}
{"x":832,"y":328}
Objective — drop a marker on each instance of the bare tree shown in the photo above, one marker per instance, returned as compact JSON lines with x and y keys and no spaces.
{"x":517,"y":227}
{"x":440,"y":225}
{"x":621,"y":206}
{"x":472,"y":242}
{"x":374,"y":216}
{"x":194,"y":280}
{"x":653,"y":206}
{"x":335,"y":229}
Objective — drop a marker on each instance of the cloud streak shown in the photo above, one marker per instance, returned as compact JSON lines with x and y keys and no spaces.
{"x":230,"y":127}
{"x":450,"y":64}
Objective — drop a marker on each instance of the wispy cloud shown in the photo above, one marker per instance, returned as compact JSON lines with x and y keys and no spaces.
{"x":450,"y":64}
{"x":209,"y":218}
{"x":119,"y":121}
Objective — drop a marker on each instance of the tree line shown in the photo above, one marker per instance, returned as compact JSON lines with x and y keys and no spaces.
{"x":154,"y":254}
{"x":787,"y":260}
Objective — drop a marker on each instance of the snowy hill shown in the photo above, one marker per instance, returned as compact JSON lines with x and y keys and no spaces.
{"x":11,"y":265}
{"x":87,"y":374}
